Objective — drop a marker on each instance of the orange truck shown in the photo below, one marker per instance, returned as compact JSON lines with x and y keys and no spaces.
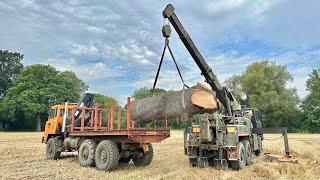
{"x":91,"y":131}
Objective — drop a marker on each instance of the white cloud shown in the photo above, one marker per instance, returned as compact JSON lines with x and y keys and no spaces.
{"x":299,"y":83}
{"x":108,"y":40}
{"x":29,"y":4}
{"x":168,"y":79}
{"x":88,"y":72}
{"x":4,"y":6}
{"x":122,"y":99}
{"x":95,"y":29}
{"x":79,"y":49}
{"x":220,"y":6}
{"x":130,"y":51}
{"x":136,"y":53}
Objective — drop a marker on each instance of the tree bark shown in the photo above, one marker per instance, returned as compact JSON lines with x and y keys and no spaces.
{"x":171,"y":104}
{"x":38,"y":123}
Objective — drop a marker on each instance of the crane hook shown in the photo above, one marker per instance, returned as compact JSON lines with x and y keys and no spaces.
{"x":166,"y":31}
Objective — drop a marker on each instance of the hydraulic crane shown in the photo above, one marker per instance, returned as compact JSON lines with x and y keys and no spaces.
{"x":223,"y":94}
{"x":227,"y":137}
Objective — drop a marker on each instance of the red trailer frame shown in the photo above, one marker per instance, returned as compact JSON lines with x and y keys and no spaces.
{"x":129,"y":134}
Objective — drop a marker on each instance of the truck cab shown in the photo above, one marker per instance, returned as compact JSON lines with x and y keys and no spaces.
{"x":221,"y":140}
{"x":254,"y":115}
{"x":55,"y":119}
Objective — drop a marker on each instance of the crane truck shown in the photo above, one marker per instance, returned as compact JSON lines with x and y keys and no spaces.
{"x":228,"y":137}
{"x":91,"y":131}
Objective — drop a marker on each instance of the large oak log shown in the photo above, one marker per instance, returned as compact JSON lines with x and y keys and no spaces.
{"x":187,"y":102}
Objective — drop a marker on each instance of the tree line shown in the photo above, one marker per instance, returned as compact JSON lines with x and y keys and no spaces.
{"x":27,"y":93}
{"x":264,"y":85}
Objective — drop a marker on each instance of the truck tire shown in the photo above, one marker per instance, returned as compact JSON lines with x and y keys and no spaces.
{"x":247,"y":147}
{"x":193,"y":162}
{"x":241,"y":162}
{"x":107,"y":155}
{"x":87,"y":152}
{"x":258,"y":152}
{"x":146,"y":159}
{"x":52,"y":149}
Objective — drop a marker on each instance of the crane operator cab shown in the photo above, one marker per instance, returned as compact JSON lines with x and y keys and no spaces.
{"x":254,"y":115}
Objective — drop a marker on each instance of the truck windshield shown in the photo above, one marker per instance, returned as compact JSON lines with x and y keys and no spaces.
{"x":62,"y":112}
{"x":51,"y":113}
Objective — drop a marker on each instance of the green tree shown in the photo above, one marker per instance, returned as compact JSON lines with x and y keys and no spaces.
{"x":104,"y":101}
{"x":234,"y":85}
{"x":146,"y":92}
{"x":10,"y":66}
{"x":264,"y":84}
{"x":36,"y":89}
{"x":311,"y":104}
{"x":68,"y":85}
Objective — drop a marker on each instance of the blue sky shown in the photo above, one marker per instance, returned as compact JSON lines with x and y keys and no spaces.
{"x":115,"y":46}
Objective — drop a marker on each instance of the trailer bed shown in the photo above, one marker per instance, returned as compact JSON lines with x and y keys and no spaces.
{"x":128,"y":136}
{"x":114,"y":127}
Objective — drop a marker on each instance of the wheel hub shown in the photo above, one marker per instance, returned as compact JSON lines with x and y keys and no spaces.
{"x":85,"y":153}
{"x":50,"y":149}
{"x":103,"y":156}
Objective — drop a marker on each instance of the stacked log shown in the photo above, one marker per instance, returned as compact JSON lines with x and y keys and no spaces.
{"x":171,"y":104}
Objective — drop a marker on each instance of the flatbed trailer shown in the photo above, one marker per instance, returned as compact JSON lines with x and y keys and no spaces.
{"x":94,"y":135}
{"x":127,"y":136}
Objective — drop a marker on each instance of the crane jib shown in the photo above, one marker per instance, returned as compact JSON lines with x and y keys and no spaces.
{"x":222,"y":93}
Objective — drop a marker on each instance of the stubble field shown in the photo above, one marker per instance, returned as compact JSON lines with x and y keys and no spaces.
{"x":23,"y":157}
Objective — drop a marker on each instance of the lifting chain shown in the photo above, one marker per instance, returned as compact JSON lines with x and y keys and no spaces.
{"x":166,"y":32}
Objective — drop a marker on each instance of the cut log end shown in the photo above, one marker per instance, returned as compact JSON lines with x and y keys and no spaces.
{"x":204,"y":100}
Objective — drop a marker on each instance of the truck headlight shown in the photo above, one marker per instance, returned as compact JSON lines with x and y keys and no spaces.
{"x":231,"y":129}
{"x":195,"y":129}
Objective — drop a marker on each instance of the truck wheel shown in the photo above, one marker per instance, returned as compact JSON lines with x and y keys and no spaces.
{"x":241,"y":162}
{"x":258,"y":152}
{"x":247,"y":147}
{"x":52,"y":149}
{"x":124,"y":160}
{"x":146,"y":159}
{"x":86,"y":153}
{"x":193,"y":162}
{"x":107,"y":155}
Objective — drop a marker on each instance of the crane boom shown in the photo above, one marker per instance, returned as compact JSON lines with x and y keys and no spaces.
{"x":223,"y":94}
